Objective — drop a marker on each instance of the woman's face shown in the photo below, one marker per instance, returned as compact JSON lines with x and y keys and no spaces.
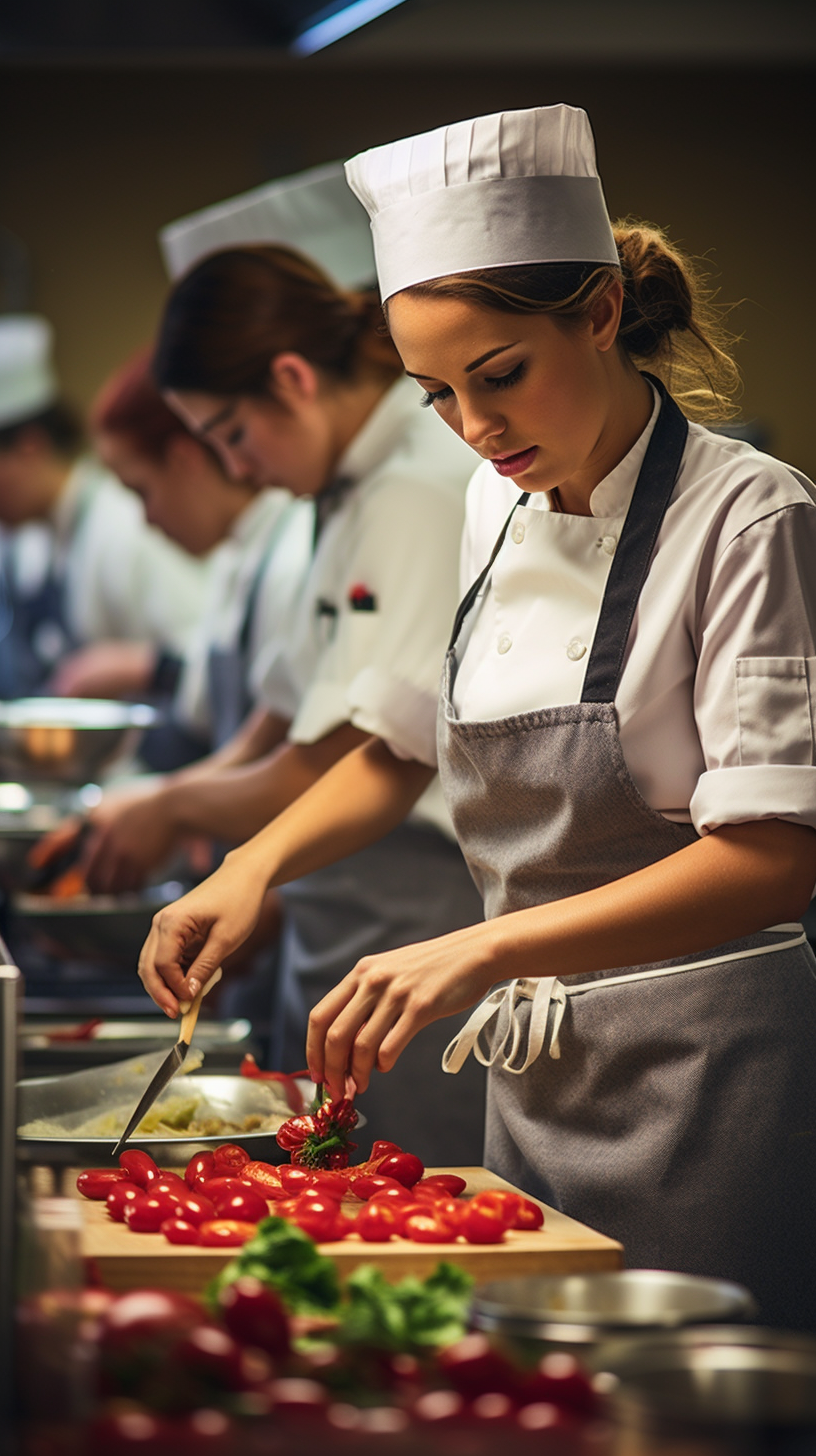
{"x":184,"y":494}
{"x":261,"y":441}
{"x":532,"y":396}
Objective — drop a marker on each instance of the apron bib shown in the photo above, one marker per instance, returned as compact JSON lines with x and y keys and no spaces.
{"x":672,"y":1106}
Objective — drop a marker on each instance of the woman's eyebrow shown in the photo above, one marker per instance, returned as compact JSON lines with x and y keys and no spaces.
{"x":216,"y":419}
{"x":469,"y":368}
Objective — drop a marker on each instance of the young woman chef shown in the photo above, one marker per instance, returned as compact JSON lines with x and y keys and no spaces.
{"x":290,"y":378}
{"x":625,"y":730}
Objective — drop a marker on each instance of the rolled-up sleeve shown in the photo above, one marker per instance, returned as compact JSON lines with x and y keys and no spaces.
{"x":755,"y":697}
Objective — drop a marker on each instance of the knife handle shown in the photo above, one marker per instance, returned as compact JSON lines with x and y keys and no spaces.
{"x":190,"y":1009}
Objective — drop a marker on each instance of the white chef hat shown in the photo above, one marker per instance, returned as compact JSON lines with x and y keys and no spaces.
{"x":28,"y":383}
{"x":515,"y":187}
{"x":314,"y":212}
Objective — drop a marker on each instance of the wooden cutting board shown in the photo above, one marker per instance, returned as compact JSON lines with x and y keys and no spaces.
{"x":128,"y":1260}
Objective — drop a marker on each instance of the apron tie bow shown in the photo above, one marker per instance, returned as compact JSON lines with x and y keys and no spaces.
{"x":544,"y":993}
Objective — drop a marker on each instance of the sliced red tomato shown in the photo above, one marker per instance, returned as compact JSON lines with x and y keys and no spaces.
{"x":445,"y":1182}
{"x":179,"y":1231}
{"x":96,"y":1183}
{"x":225,"y":1232}
{"x":229,"y":1158}
{"x":377,"y":1222}
{"x":139,"y":1167}
{"x":407,"y":1168}
{"x":120,"y":1195}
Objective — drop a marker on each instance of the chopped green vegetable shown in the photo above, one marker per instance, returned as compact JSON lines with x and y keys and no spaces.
{"x":288,"y":1260}
{"x":405,"y":1316}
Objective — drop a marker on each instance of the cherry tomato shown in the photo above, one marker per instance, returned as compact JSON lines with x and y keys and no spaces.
{"x":529,"y":1215}
{"x":482,"y":1225}
{"x":146,"y":1214}
{"x":473,"y":1367}
{"x":318,"y":1217}
{"x":213,"y":1354}
{"x":139,"y":1167}
{"x":195,"y":1208}
{"x":405,"y":1167}
{"x":559,"y":1380}
{"x":200,"y":1166}
{"x":148,"y":1315}
{"x":426,"y":1228}
{"x":179,"y":1231}
{"x":297,"y":1399}
{"x":170,"y":1183}
{"x":439,"y":1408}
{"x":384,"y":1149}
{"x":245,"y":1204}
{"x":218,"y":1233}
{"x":403,"y":1211}
{"x":229,"y":1158}
{"x":221,"y":1184}
{"x":97,"y":1182}
{"x":444,"y":1182}
{"x":264,"y":1178}
{"x":397,"y":1194}
{"x":120,"y":1195}
{"x":377,"y":1222}
{"x":254,"y":1315}
{"x":365,"y":1185}
{"x":500,"y":1201}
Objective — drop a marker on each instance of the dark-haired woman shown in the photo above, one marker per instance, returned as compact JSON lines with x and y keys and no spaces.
{"x":294,"y":384}
{"x":625,"y":734}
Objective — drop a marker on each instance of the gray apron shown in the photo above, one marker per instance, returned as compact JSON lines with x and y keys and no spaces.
{"x":672,"y":1106}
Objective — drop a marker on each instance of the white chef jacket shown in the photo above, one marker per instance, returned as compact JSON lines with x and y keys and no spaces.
{"x":382,"y":591}
{"x":717,"y":699}
{"x":272,"y":538}
{"x":123,"y":578}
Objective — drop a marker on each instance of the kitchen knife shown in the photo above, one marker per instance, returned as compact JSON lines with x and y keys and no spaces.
{"x":172,"y":1062}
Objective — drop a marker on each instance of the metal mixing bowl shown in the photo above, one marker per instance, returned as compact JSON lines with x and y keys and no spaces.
{"x":67,"y":740}
{"x":583,"y":1312}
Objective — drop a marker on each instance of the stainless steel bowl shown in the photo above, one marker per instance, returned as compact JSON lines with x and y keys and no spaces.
{"x":720,"y":1380}
{"x":65,"y":1099}
{"x":106,"y":929}
{"x":67,"y":740}
{"x":583,"y":1312}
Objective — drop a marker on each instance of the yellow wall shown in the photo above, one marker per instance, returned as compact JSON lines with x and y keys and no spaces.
{"x":93,"y":161}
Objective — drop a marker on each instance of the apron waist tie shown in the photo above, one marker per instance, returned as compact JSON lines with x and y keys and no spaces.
{"x":548,"y":991}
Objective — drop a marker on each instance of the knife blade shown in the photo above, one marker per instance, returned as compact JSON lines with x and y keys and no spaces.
{"x":172,"y":1062}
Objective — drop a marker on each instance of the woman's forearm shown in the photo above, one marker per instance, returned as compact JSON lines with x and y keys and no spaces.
{"x":737,"y":880}
{"x":365,"y":795}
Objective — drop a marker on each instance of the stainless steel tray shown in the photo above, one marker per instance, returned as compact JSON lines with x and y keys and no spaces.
{"x":67,"y":1097}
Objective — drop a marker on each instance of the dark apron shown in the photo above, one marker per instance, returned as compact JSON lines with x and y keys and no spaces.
{"x":671,"y":1106}
{"x":34,"y":630}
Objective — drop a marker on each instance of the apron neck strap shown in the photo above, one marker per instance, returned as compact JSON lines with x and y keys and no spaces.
{"x":630,"y":565}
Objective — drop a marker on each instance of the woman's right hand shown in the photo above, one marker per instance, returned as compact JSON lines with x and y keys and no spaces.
{"x":190,"y":938}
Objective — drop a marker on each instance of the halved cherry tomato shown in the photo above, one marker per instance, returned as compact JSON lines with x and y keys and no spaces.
{"x":225,"y":1232}
{"x":482,"y":1225}
{"x":376,"y":1222}
{"x":145,"y":1215}
{"x":245,"y":1204}
{"x":529,"y":1215}
{"x":229,"y":1158}
{"x":426,"y":1228}
{"x":97,"y":1182}
{"x":265,"y":1178}
{"x":200,"y":1166}
{"x":318,"y":1217}
{"x":139,"y":1167}
{"x":444,"y":1182}
{"x":120,"y":1195}
{"x":179,"y":1231}
{"x":405,"y":1167}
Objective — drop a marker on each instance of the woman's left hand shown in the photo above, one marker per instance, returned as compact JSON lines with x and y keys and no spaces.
{"x":367,"y":1020}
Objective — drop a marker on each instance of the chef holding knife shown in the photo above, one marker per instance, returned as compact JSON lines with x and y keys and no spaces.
{"x":625,"y":737}
{"x":290,"y":377}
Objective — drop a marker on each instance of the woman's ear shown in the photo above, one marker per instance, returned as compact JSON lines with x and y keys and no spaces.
{"x":293,"y":379}
{"x":605,"y":316}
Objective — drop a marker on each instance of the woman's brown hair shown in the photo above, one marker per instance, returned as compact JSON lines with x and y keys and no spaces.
{"x":235,"y":311}
{"x":670,"y":323}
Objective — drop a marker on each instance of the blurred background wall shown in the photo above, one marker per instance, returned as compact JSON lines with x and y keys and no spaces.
{"x":705,"y":126}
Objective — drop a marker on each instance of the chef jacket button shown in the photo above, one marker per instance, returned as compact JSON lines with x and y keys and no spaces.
{"x":518,"y":532}
{"x":575,"y":650}
{"x":608,"y":544}
{"x":504,"y":643}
